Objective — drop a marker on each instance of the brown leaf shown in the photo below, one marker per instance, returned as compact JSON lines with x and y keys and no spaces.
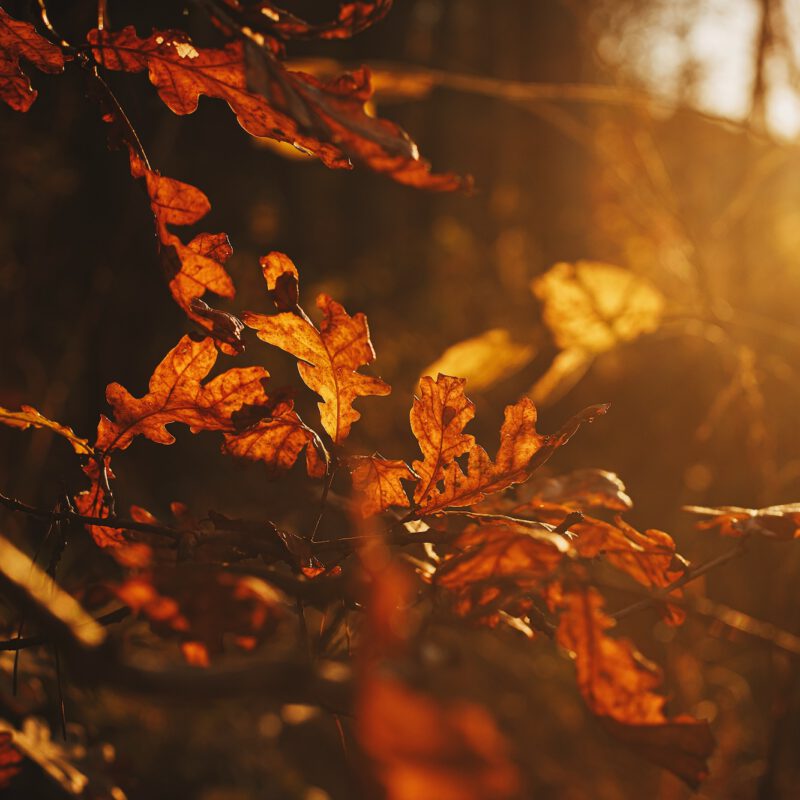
{"x":195,"y":268}
{"x":425,"y":749}
{"x":576,"y":491}
{"x":329,"y":356}
{"x":353,"y":18}
{"x":378,"y":482}
{"x":781,"y":522}
{"x":438,"y":418}
{"x":93,"y":502}
{"x":177,"y":395}
{"x":199,"y":606}
{"x":619,"y":686}
{"x":492,"y":562}
{"x":323,"y":118}
{"x":277,"y":441}
{"x":29,"y":417}
{"x":20,"y":40}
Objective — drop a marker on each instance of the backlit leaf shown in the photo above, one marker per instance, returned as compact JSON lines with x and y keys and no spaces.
{"x":328,"y":356}
{"x":483,"y":360}
{"x":378,"y":481}
{"x":781,"y":522}
{"x":20,"y":40}
{"x":324,"y":118}
{"x":619,"y":686}
{"x":29,"y":417}
{"x":594,"y":306}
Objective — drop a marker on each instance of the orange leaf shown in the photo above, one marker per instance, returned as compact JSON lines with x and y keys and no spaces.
{"x":781,"y":522}
{"x":329,"y":356}
{"x":323,"y":118}
{"x":378,"y":481}
{"x":352,"y":18}
{"x":278,"y":440}
{"x":10,"y":758}
{"x":20,"y":40}
{"x":176,"y":395}
{"x":619,"y":686}
{"x":495,"y":561}
{"x":29,"y":417}
{"x":438,"y":418}
{"x":423,"y":749}
{"x":93,"y":503}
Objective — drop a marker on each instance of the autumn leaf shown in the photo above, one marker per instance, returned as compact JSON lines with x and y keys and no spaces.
{"x":619,"y":686}
{"x":199,"y":607}
{"x":329,"y":356}
{"x":177,"y":395}
{"x":578,"y":490}
{"x":428,"y":749}
{"x":197,"y":267}
{"x":29,"y":417}
{"x":377,"y":481}
{"x":483,"y":360}
{"x":438,"y":418}
{"x":268,"y":18}
{"x":94,"y":502}
{"x":777,"y":522}
{"x":594,"y":306}
{"x":20,"y":40}
{"x":494,"y":561}
{"x":590,"y":307}
{"x":277,"y":440}
{"x":324,"y":118}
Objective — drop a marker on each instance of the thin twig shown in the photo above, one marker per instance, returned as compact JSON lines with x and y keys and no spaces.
{"x":74,"y":516}
{"x":691,"y":574}
{"x":35,"y":641}
{"x":324,"y":500}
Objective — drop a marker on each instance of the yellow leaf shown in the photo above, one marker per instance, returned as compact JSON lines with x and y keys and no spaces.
{"x":483,"y":360}
{"x":595,"y":306}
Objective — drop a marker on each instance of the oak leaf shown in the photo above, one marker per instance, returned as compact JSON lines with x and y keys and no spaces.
{"x":777,"y":522}
{"x":619,"y":686}
{"x":438,"y":418}
{"x":324,"y":118}
{"x":20,"y":40}
{"x":377,"y":480}
{"x":329,"y":356}
{"x":177,"y":395}
{"x":29,"y":417}
{"x":495,"y":561}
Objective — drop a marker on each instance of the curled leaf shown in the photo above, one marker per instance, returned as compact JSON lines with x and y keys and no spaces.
{"x":29,"y":417}
{"x":20,"y":40}
{"x":777,"y":522}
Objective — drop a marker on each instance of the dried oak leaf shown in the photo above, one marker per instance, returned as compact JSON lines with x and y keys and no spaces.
{"x":777,"y":522}
{"x":493,"y":562}
{"x":177,"y":395}
{"x":277,"y":440}
{"x":619,"y":686}
{"x":269,"y":18}
{"x":577,"y":491}
{"x":197,"y":267}
{"x":425,"y":749}
{"x":93,"y":502}
{"x":326,"y":119}
{"x":649,"y":557}
{"x":20,"y":40}
{"x":234,"y":403}
{"x":438,"y":418}
{"x":377,"y":481}
{"x":29,"y":417}
{"x":328,"y":356}
{"x":199,"y":607}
